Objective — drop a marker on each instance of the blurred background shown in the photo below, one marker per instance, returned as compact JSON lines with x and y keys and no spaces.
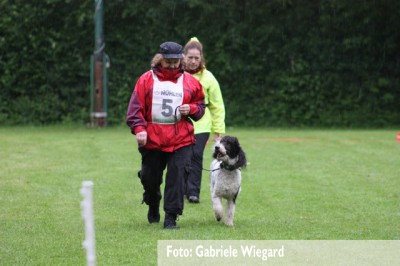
{"x":280,"y":63}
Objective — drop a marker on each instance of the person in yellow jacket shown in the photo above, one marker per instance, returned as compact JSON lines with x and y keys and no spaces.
{"x":213,"y":120}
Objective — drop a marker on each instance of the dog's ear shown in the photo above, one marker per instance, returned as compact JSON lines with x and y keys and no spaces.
{"x":236,"y":141}
{"x":242,"y":161}
{"x":234,"y":146}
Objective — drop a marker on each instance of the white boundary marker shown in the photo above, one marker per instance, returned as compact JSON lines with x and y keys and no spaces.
{"x":87,"y":215}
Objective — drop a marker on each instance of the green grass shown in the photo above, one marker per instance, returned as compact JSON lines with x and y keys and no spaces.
{"x":320,"y":184}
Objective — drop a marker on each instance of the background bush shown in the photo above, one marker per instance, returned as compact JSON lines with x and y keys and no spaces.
{"x":279,"y":62}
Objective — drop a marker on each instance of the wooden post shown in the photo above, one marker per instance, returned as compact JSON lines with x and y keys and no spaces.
{"x":98,"y":112}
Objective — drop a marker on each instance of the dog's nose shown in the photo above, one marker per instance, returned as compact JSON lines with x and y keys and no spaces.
{"x":216,"y":148}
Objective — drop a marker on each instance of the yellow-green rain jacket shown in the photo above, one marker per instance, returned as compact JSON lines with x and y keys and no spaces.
{"x":214,"y":117}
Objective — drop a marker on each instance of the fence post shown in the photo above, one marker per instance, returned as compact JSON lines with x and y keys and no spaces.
{"x":87,"y":215}
{"x":98,"y":76}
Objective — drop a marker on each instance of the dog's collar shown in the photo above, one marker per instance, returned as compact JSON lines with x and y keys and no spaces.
{"x":227,"y":167}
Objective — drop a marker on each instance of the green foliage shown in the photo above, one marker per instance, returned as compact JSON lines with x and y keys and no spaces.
{"x":44,"y":61}
{"x":279,"y":63}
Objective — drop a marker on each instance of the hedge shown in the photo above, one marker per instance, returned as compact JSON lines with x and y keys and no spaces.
{"x":279,"y":63}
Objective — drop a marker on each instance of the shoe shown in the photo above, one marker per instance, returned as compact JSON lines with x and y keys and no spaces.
{"x":194,"y":199}
{"x":154,"y":214}
{"x":170,"y":221}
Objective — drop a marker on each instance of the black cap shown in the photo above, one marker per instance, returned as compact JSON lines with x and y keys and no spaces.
{"x":171,"y":50}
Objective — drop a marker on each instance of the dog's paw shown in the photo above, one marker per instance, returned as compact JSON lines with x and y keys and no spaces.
{"x":229,"y":224}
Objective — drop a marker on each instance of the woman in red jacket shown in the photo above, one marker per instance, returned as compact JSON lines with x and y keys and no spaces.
{"x":161,"y":103}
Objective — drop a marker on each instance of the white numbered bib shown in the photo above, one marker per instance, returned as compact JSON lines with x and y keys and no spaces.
{"x":167,"y":97}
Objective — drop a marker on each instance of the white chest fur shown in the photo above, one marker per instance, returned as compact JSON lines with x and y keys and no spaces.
{"x":225,"y":183}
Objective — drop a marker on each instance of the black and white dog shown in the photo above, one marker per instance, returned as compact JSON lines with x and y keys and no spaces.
{"x":225,"y":176}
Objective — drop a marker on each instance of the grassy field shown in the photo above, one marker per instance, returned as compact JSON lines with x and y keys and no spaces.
{"x":299,"y":184}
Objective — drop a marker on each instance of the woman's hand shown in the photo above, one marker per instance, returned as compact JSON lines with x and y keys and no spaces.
{"x":184,"y":109}
{"x":217,"y":137}
{"x":141,"y":138}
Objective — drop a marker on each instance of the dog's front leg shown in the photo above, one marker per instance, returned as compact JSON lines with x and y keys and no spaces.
{"x":217,"y":206}
{"x":230,"y":212}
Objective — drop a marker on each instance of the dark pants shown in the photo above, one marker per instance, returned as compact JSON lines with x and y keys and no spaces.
{"x":193,"y":184}
{"x":154,"y":163}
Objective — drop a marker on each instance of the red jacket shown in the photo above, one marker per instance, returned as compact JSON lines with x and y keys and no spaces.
{"x":165,"y":137}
